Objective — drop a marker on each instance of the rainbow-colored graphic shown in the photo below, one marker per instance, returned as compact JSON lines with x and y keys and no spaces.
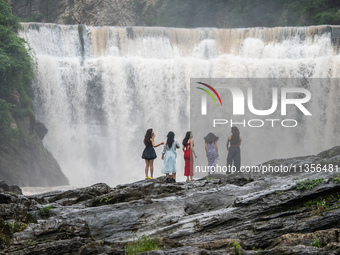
{"x":209,"y":93}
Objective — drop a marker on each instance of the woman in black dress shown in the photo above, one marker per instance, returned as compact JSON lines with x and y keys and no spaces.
{"x":233,"y":147}
{"x":149,"y":153}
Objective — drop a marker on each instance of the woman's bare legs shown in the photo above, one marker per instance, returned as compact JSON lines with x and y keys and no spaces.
{"x":147,"y":162}
{"x":151,"y":168}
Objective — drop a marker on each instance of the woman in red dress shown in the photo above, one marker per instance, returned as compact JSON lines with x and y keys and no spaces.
{"x":188,"y":148}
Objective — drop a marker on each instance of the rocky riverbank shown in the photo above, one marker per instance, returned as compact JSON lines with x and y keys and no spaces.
{"x":265,"y":214}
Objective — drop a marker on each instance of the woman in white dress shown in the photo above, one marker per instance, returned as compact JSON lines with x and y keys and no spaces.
{"x":169,"y":156}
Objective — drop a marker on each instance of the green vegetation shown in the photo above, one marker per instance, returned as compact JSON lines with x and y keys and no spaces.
{"x":105,"y":199}
{"x":257,"y":250}
{"x":16,"y":73}
{"x":315,"y":243}
{"x":311,"y":207}
{"x":323,"y":204}
{"x":16,"y":226}
{"x":31,"y":242}
{"x":336,"y":180}
{"x":10,"y":226}
{"x":142,"y":244}
{"x":309,"y":183}
{"x":240,"y":13}
{"x":45,"y":211}
{"x":237,"y":248}
{"x":67,"y":235}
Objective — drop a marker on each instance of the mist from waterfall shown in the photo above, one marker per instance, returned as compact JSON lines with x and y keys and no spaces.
{"x":98,"y":89}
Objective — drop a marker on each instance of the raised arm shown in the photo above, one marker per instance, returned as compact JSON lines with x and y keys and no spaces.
{"x":155,"y":145}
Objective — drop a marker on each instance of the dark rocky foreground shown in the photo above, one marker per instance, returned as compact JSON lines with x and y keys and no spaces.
{"x":265,"y":214}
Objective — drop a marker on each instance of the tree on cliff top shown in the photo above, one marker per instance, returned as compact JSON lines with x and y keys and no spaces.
{"x":16,"y":68}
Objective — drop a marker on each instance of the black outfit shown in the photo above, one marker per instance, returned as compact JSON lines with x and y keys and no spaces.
{"x":149,"y":152}
{"x":234,"y":155}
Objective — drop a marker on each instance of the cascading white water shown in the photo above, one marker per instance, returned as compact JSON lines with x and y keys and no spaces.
{"x":98,"y":89}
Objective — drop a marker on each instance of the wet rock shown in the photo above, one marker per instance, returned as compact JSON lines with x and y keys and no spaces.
{"x":30,"y":165}
{"x":15,"y":189}
{"x":187,"y":250}
{"x":70,"y":197}
{"x":294,"y":250}
{"x":66,"y":246}
{"x":263,"y":214}
{"x":24,"y":160}
{"x":40,"y":129}
{"x":5,"y":188}
{"x":319,"y":239}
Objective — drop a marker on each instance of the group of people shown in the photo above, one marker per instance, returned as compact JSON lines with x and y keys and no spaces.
{"x":169,"y":154}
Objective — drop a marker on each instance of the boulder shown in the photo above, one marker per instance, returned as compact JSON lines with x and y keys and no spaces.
{"x":4,"y":188}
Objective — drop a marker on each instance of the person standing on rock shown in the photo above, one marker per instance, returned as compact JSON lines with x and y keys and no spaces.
{"x":149,"y":153}
{"x":211,"y":151}
{"x":233,"y":147}
{"x":188,"y":148}
{"x":169,"y":156}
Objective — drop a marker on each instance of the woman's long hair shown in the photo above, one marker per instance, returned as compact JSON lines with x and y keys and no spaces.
{"x":210,"y":138}
{"x":171,"y":136}
{"x":147,"y":137}
{"x":186,"y":138}
{"x":235,"y":137}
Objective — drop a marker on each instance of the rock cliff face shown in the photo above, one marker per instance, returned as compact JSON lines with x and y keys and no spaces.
{"x":89,"y":12}
{"x":295,"y":213}
{"x":24,"y":160}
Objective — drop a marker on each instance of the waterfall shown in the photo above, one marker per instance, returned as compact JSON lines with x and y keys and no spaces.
{"x":98,"y":89}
